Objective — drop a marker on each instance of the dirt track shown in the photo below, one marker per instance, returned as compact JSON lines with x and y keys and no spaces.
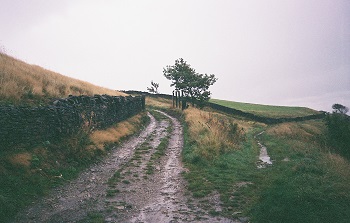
{"x":147,"y":187}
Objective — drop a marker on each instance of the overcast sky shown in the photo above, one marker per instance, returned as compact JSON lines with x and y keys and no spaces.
{"x":278,"y":52}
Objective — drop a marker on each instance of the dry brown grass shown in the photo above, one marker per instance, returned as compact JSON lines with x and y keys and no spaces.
{"x":21,"y":159}
{"x":213,"y":132}
{"x":99,"y":139}
{"x":339,"y":165}
{"x":286,"y":130}
{"x":113,"y":134}
{"x":159,"y":102}
{"x":19,"y":80}
{"x":298,"y":130}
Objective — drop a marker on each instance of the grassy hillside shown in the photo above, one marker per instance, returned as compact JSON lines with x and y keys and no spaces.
{"x":267,"y":110}
{"x":30,"y":171}
{"x":24,"y":83}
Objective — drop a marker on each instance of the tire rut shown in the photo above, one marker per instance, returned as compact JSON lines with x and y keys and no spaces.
{"x":73,"y":201}
{"x":139,"y":182}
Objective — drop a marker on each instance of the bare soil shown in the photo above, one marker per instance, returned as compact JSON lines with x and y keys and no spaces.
{"x":135,"y":183}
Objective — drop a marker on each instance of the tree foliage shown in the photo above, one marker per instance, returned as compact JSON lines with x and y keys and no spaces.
{"x":338,"y":108}
{"x":154,"y":88}
{"x":338,"y":124}
{"x":194,"y":85}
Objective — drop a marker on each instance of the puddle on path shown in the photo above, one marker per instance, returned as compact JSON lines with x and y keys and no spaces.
{"x":264,"y":158}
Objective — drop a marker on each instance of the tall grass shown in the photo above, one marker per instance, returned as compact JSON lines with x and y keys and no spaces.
{"x":220,"y":156}
{"x":114,"y":134}
{"x":160,"y":103}
{"x":21,"y":82}
{"x":212,"y":133}
{"x":306,"y":183}
{"x":28,"y":173}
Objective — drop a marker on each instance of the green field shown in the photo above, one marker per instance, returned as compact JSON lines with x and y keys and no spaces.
{"x":267,"y":110}
{"x":307,"y":181}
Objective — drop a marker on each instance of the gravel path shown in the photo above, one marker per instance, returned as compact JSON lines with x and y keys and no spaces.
{"x":136,"y":183}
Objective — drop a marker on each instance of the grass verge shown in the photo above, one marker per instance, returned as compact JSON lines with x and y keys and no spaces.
{"x":29,"y":173}
{"x":306,"y":182}
{"x":221,"y":158}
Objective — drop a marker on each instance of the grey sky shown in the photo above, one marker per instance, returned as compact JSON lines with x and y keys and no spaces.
{"x":291,"y":52}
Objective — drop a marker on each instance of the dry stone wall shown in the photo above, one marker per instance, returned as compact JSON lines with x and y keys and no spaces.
{"x":262,"y":119}
{"x":247,"y":115}
{"x":33,"y":125}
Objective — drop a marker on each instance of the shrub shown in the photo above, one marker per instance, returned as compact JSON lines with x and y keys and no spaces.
{"x":339,"y":133}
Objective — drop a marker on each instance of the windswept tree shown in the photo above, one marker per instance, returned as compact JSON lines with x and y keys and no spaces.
{"x":194,"y":85}
{"x":338,"y":108}
{"x":154,"y":87}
